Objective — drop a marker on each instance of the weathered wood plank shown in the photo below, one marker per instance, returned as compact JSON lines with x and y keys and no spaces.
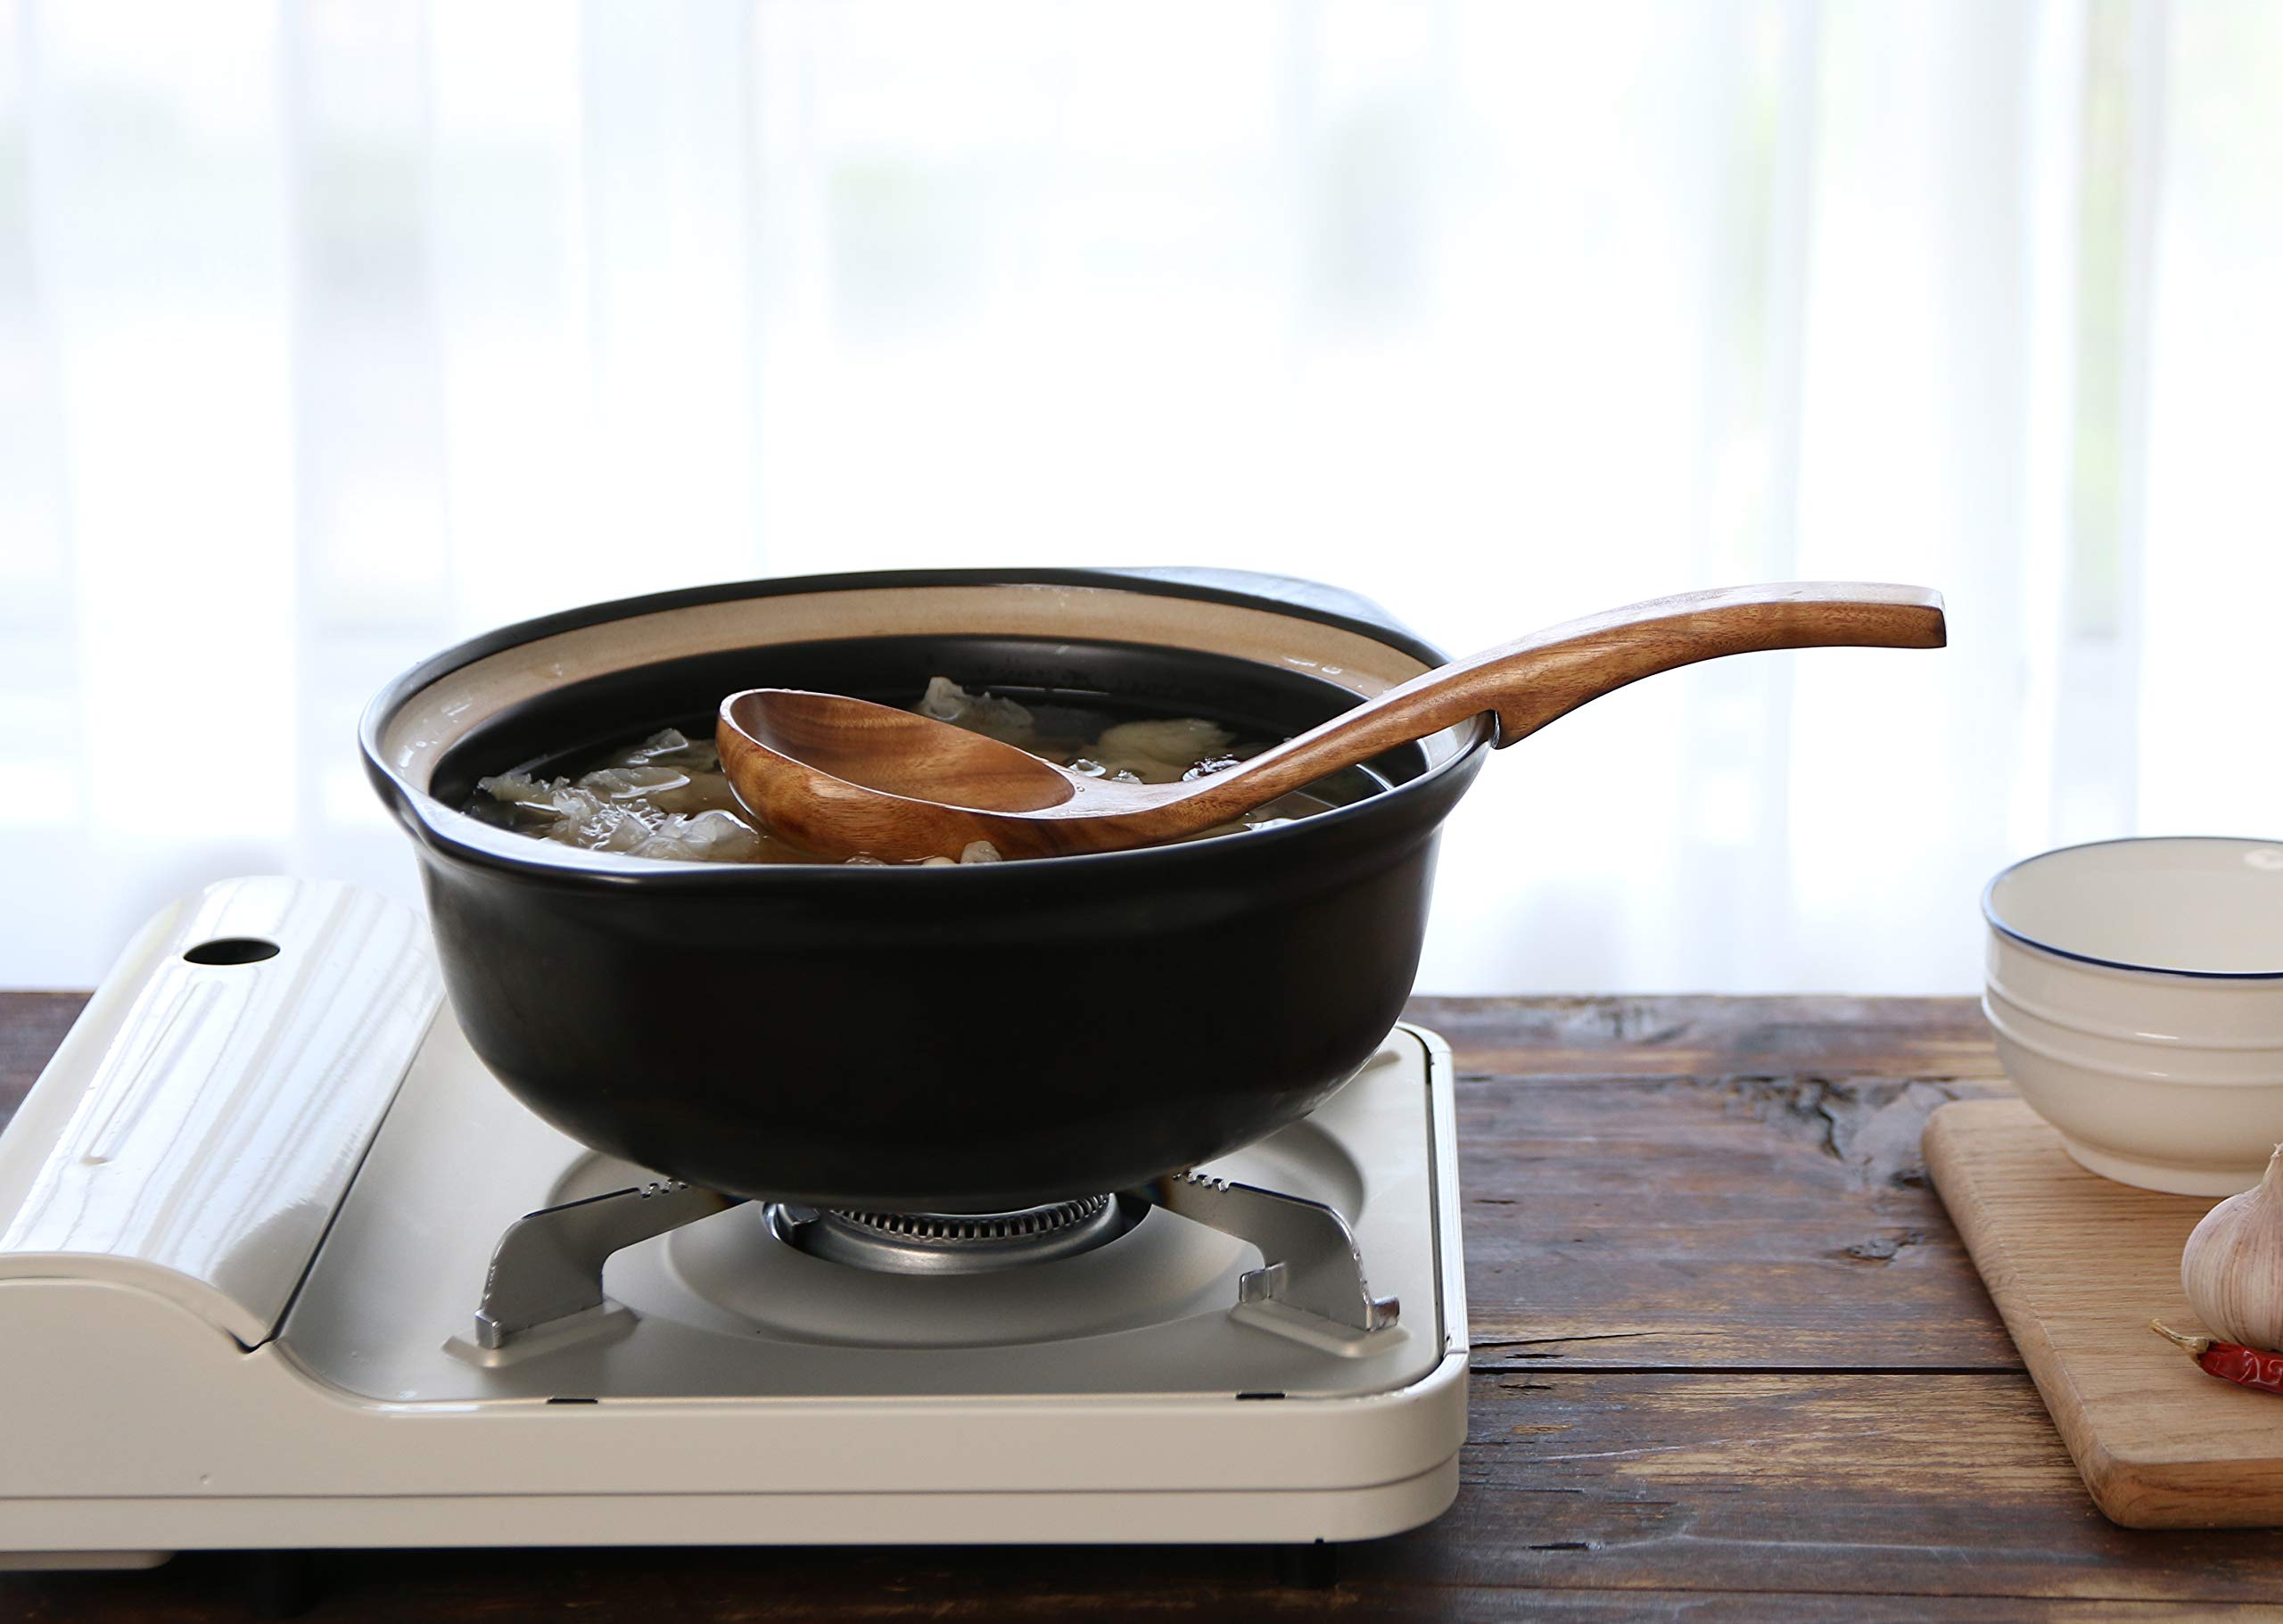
{"x":1727,"y":1182}
{"x":31,"y":1025}
{"x":750,"y":1587}
{"x":1706,"y":1036}
{"x":1906,"y":1483}
{"x":1721,"y":1222}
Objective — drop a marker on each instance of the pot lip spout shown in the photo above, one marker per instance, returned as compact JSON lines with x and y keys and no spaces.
{"x":441,"y":829}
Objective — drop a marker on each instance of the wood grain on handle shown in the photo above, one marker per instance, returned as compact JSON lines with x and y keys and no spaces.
{"x":1535,"y":678}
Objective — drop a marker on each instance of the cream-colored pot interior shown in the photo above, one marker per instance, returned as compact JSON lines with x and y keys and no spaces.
{"x":431,"y":720}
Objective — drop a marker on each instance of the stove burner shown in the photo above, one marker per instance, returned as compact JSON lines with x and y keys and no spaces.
{"x":951,"y":1242}
{"x":547,"y":1271}
{"x":1047,"y":1220}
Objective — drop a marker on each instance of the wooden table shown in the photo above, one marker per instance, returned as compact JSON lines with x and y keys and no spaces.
{"x":1730,"y":1363}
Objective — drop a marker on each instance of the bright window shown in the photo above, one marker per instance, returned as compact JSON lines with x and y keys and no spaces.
{"x":331,"y":332}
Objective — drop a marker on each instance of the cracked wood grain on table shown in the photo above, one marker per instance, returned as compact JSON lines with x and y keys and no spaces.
{"x":1705,"y":1182}
{"x":1730,"y":1363}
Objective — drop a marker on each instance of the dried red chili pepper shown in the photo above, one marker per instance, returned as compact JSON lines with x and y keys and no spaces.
{"x":2230,"y":1361}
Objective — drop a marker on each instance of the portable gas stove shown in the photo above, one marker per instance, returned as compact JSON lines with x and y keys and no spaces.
{"x":282,"y":1266}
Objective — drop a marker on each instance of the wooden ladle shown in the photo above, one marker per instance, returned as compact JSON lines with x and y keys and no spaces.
{"x":845,"y":779}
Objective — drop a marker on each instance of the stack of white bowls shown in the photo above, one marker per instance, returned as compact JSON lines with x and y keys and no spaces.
{"x":2136,"y":990}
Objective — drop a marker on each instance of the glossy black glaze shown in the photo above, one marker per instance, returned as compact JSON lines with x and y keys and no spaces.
{"x":977,"y":1038}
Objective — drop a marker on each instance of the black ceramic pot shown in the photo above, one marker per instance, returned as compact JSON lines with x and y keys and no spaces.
{"x":977,"y":1038}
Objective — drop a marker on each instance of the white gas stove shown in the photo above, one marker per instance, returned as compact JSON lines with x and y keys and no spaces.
{"x":282,"y":1266}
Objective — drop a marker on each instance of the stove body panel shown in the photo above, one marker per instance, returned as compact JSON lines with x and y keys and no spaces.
{"x":203,"y":1120}
{"x":724,"y":1308}
{"x":757,"y":1394}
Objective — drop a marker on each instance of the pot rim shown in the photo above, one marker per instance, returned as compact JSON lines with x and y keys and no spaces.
{"x":449,"y":832}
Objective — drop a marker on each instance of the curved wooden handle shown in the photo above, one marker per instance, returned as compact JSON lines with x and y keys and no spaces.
{"x":1535,"y":678}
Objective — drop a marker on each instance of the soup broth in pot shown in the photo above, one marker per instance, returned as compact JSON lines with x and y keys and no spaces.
{"x":666,"y":797}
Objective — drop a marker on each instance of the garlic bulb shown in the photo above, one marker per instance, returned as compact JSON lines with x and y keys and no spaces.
{"x":2232,"y":1268}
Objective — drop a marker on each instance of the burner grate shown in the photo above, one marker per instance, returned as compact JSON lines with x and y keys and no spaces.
{"x":547,"y":1271}
{"x":954,"y":1228}
{"x":951,"y":1242}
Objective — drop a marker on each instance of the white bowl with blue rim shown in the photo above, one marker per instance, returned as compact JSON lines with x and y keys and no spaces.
{"x":2135,"y":988}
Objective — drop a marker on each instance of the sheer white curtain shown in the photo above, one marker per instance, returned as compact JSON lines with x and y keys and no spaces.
{"x":331,"y":331}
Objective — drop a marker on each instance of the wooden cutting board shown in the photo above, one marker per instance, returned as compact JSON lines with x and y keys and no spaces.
{"x":2079,"y":1265}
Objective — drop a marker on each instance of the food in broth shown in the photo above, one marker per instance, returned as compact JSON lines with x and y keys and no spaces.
{"x":667,"y":797}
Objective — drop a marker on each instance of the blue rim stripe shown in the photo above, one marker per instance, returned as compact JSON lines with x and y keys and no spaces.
{"x":1989,"y":910}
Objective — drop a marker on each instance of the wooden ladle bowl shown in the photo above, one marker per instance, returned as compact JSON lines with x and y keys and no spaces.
{"x":844,"y":778}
